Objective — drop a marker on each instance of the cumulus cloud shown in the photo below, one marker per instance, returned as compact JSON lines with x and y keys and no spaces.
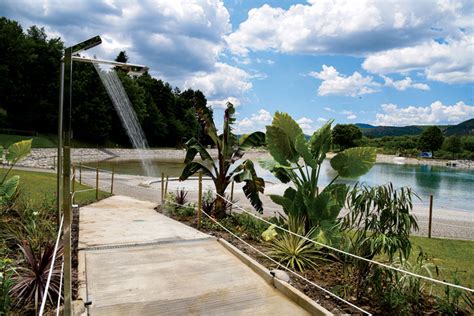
{"x":221,"y":82}
{"x":348,"y":27}
{"x":436,"y":113}
{"x":306,"y":125}
{"x":181,"y":40}
{"x":256,"y":122}
{"x":337,"y":84}
{"x":404,"y":84}
{"x":449,"y":62}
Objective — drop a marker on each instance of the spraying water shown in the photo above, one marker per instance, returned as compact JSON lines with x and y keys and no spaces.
{"x":127,"y":115}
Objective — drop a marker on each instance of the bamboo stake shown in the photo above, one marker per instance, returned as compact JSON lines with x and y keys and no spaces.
{"x":97,"y":183}
{"x":231,"y":196}
{"x":73,"y":182}
{"x":112,"y":181}
{"x":166,"y":186}
{"x":80,"y":172}
{"x":200,"y":200}
{"x":431,"y":216}
{"x":162,"y":187}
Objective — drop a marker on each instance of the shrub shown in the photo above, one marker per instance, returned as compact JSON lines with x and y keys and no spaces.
{"x":293,"y":251}
{"x":6,"y":282}
{"x":252,"y":227}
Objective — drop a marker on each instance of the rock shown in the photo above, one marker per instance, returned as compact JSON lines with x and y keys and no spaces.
{"x":281,"y":275}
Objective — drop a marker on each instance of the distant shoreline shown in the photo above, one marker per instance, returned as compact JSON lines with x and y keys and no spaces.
{"x":46,"y":157}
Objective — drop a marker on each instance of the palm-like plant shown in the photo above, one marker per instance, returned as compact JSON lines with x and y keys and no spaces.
{"x":230,"y":150}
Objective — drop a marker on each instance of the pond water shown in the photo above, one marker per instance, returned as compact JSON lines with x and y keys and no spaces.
{"x":452,"y":188}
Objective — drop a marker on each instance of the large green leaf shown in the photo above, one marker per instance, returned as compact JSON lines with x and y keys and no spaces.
{"x":328,"y":204}
{"x":279,"y":146}
{"x":255,"y":139}
{"x":18,"y":151}
{"x":279,"y":171}
{"x":193,"y":167}
{"x":320,"y":142}
{"x":204,"y":115}
{"x":228,"y":139}
{"x":354,"y":162}
{"x":301,"y":147}
{"x":253,"y":184}
{"x":9,"y":187}
{"x":288,"y":125}
{"x":193,"y":148}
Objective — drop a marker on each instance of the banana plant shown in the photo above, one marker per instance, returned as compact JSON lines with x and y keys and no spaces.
{"x":15,"y":153}
{"x":230,"y":150}
{"x":298,"y":160}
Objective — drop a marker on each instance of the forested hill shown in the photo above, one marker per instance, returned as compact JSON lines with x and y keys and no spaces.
{"x":29,"y":94}
{"x":462,"y":129}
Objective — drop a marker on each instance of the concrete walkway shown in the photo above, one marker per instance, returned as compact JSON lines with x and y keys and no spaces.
{"x":134,"y":261}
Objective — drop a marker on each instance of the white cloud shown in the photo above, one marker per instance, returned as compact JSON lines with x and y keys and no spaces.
{"x":352,"y":117}
{"x":306,"y":125}
{"x":436,"y":113}
{"x":348,"y":27}
{"x":223,"y":82}
{"x":329,"y":109}
{"x":221,"y":104}
{"x":322,"y":120}
{"x":336,"y":84}
{"x":405,"y":84}
{"x":450,"y":62}
{"x":256,"y":122}
{"x":181,"y":41}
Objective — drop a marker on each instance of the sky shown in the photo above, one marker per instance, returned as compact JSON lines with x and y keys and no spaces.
{"x":370,"y":61}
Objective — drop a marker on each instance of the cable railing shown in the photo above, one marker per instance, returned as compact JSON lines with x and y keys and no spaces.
{"x":348,"y":253}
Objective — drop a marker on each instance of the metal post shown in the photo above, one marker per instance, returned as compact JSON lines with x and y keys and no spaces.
{"x":59,"y":193}
{"x":112,"y":181}
{"x":231,"y":196}
{"x":67,"y":181}
{"x":97,"y":183}
{"x":199,"y":200}
{"x":162,"y":187}
{"x":431,"y":216}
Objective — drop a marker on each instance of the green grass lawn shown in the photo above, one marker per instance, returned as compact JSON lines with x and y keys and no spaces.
{"x":38,"y":141}
{"x":37,"y":187}
{"x":450,"y":256}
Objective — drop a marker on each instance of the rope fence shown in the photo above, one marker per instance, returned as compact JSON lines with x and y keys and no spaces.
{"x":348,"y":253}
{"x":51,"y":268}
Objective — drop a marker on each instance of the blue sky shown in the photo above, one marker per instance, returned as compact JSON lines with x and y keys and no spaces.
{"x":372,"y":61}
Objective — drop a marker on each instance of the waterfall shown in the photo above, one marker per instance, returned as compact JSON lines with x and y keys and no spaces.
{"x":127,"y":114}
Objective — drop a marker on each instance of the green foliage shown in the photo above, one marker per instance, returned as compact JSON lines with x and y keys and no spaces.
{"x":252,"y":227}
{"x":6,"y":282}
{"x":288,"y":146}
{"x":293,"y":251}
{"x":345,"y":135}
{"x":230,"y":150}
{"x":431,"y":139}
{"x":453,"y":144}
{"x":450,"y":304}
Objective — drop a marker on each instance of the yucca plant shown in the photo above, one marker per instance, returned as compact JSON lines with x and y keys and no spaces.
{"x":293,"y":251}
{"x":31,"y":277}
{"x":181,"y":197}
{"x":230,"y":150}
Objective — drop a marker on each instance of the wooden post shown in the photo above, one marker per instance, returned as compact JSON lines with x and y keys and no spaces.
{"x":80,"y":172}
{"x":162,"y":187}
{"x":166,"y":186}
{"x":97,"y":183}
{"x":431,"y":216}
{"x":73,"y":182}
{"x":112,"y":181}
{"x":200,"y":200}
{"x":54,"y":162}
{"x":231,"y":196}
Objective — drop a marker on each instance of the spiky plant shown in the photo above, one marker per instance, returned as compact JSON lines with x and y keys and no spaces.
{"x":30,"y":281}
{"x":294,"y":251}
{"x":181,"y":197}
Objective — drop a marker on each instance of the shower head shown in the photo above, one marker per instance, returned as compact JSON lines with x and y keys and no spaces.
{"x":131,"y":69}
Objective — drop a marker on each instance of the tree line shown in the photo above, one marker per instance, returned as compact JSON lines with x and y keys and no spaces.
{"x":431,"y":139}
{"x":29,"y":95}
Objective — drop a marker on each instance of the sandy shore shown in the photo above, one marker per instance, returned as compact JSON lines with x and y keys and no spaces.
{"x":47,"y":157}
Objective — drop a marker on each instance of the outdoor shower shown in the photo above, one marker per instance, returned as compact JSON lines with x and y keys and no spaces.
{"x":64,"y":147}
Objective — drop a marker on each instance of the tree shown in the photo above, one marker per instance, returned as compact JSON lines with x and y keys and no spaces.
{"x":287,"y":145}
{"x":122,"y":57}
{"x":431,"y":139}
{"x":345,"y":135}
{"x":453,"y":144}
{"x":230,"y":150}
